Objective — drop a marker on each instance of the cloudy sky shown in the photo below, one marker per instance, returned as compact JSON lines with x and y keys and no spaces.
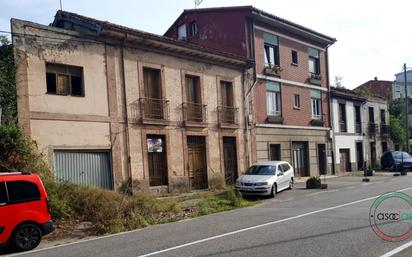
{"x":374,"y":39}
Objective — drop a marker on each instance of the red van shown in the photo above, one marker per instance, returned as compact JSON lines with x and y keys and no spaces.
{"x":24,"y":213}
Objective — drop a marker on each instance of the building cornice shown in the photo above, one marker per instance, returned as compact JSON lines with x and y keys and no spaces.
{"x":290,"y":82}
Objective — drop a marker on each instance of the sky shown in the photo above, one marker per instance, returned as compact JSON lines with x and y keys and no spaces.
{"x":373,"y":39}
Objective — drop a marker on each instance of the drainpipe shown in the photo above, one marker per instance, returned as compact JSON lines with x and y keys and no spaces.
{"x":125,"y":110}
{"x":331,"y":137}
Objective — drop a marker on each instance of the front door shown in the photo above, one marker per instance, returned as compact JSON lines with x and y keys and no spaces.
{"x":359,"y":155}
{"x":300,"y":158}
{"x":322,"y":158}
{"x":197,"y":168}
{"x":344,"y":160}
{"x":230,"y":159}
{"x":373,"y":154}
{"x":157,"y":159}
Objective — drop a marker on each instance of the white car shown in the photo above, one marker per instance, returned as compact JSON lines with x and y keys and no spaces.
{"x":266,"y":178}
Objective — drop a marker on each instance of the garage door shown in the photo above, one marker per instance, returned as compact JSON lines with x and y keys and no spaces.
{"x":91,"y":168}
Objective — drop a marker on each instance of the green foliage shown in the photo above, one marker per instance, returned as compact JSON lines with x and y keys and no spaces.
{"x":313,"y":182}
{"x":8,"y":95}
{"x":364,"y":92}
{"x":397,"y":108}
{"x":17,"y":153}
{"x":397,"y":130}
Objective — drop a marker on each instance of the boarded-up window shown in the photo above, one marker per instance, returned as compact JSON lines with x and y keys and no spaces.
{"x":64,"y":79}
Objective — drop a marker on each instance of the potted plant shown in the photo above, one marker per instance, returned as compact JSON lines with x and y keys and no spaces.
{"x":313,"y":183}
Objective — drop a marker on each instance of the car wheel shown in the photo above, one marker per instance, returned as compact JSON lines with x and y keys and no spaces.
{"x":291,"y":183}
{"x":273,"y":191}
{"x":26,"y":237}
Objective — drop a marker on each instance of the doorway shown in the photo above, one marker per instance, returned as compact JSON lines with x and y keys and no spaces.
{"x":300,"y":158}
{"x":157,"y":160}
{"x":359,"y":155}
{"x":344,"y":160}
{"x":230,"y":159}
{"x":197,"y":167}
{"x":322,"y":158}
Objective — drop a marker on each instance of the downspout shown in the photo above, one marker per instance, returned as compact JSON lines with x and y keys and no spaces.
{"x":125,"y":110}
{"x":331,"y":136}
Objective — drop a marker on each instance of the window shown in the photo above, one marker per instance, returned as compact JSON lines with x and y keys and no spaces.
{"x":271,"y":50}
{"x":152,"y":83}
{"x":193,"y":29}
{"x":342,"y":118}
{"x":274,"y":152}
{"x":273,"y":98}
{"x":294,"y":57}
{"x":358,"y":121}
{"x":371,"y":115}
{"x":285,"y":167}
{"x":64,"y":79}
{"x":280,"y":170}
{"x":261,"y":170}
{"x":296,"y":101}
{"x":3,"y":194}
{"x":22,"y":191}
{"x":314,"y":65}
{"x":193,"y":89}
{"x":227,"y":93}
{"x":181,"y":32}
{"x":316,"y":105}
{"x":383,"y":116}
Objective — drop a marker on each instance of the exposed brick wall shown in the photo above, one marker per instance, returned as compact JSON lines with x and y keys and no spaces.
{"x":293,"y":116}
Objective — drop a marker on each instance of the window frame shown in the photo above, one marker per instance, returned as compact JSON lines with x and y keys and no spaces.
{"x":315,"y":59}
{"x":6,"y":194}
{"x":295,"y":58}
{"x":318,"y":108}
{"x":274,"y":110}
{"x":296,"y":101}
{"x":193,"y":29}
{"x":70,"y":78}
{"x":25,"y":200}
{"x":276,"y":59}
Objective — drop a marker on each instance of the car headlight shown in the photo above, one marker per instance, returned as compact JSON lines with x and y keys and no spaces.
{"x":261,"y":183}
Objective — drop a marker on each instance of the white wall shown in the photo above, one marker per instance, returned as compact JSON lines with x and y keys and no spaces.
{"x":346,"y":142}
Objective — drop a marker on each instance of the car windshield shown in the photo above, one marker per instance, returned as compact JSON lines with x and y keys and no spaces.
{"x":261,"y":170}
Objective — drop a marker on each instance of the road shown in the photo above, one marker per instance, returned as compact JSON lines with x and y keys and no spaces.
{"x":298,"y":222}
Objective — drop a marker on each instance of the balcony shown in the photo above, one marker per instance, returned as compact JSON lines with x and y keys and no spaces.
{"x":273,"y":70}
{"x":384,"y":130}
{"x":227,"y":117}
{"x":358,"y":128}
{"x":315,"y":79}
{"x":194,"y":115}
{"x":154,"y":111}
{"x":372,"y":129}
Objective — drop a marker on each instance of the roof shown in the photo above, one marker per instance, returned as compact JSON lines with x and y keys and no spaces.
{"x":101,"y":28}
{"x":254,"y":12}
{"x":346,"y":94}
{"x":380,"y":88}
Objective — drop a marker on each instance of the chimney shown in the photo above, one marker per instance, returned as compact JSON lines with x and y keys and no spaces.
{"x":376,"y":78}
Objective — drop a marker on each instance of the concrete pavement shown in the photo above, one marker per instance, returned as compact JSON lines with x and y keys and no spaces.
{"x":332,"y":222}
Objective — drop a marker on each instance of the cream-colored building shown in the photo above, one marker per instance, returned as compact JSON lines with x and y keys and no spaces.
{"x":108,"y":104}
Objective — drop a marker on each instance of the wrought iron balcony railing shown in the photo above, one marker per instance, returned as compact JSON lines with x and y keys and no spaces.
{"x":227,"y":115}
{"x":194,"y":112}
{"x":154,"y":109}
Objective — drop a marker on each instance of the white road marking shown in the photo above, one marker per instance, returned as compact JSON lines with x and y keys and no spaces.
{"x":199,"y":241}
{"x":397,"y":250}
{"x":262,"y":225}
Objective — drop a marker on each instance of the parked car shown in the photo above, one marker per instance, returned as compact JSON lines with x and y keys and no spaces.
{"x":24,"y":212}
{"x":396,"y":161}
{"x":266,"y":178}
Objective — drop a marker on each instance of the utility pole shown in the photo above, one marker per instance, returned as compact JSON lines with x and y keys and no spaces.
{"x":406,"y":108}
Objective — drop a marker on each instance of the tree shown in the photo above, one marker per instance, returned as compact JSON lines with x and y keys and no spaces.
{"x":397,"y":122}
{"x":8,"y":95}
{"x":338,"y":82}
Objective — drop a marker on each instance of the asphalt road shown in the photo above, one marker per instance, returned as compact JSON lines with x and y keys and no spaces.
{"x":332,"y":222}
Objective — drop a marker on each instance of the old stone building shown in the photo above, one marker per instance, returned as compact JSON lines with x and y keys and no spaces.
{"x":288,"y":103}
{"x":108,"y":104}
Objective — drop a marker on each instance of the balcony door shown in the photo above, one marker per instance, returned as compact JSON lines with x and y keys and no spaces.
{"x":153,"y":104}
{"x":227,"y":106}
{"x":194,"y":106}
